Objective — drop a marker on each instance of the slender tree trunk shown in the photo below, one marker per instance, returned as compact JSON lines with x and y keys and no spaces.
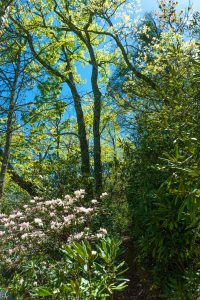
{"x":97,"y":105}
{"x":85,"y":157}
{"x":96,"y":119}
{"x":6,"y":151}
{"x":96,"y":132}
{"x":9,"y":129}
{"x":23,"y":184}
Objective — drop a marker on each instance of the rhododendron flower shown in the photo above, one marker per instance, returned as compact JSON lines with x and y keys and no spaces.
{"x":61,"y":221}
{"x":103,"y":230}
{"x":24,"y":236}
{"x":38,"y":221}
{"x":2,"y":233}
{"x":79,"y":193}
{"x":76,"y":237}
{"x":94,"y":201}
{"x":103,"y":195}
{"x":99,"y":235}
{"x":24,"y":225}
{"x":68,"y":218}
{"x":84,"y":210}
{"x":18,"y":214}
{"x":12,"y":216}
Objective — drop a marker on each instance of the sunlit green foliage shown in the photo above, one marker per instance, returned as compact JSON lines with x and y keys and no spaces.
{"x":108,"y":101}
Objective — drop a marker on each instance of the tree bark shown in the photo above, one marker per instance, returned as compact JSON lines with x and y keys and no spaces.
{"x":9,"y":128}
{"x":82,"y":134}
{"x":85,"y":165}
{"x":96,"y":119}
{"x":85,"y":158}
{"x":6,"y":151}
{"x":97,"y":104}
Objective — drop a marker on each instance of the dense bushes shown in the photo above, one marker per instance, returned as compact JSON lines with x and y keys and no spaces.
{"x":164,"y":192}
{"x":135,"y":134}
{"x":82,"y":271}
{"x":41,"y":256}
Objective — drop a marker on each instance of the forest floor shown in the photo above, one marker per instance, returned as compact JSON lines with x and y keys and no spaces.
{"x":136,"y":289}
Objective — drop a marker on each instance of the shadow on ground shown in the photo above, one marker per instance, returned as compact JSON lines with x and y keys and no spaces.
{"x":136,"y":290}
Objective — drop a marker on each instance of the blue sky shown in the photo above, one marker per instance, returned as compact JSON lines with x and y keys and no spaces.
{"x":148,"y":5}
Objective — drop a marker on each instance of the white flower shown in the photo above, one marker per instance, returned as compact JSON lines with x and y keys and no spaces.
{"x":94,"y":201}
{"x":84,"y":210}
{"x":103,"y":195}
{"x":12,"y":223}
{"x":24,"y":236}
{"x":2,"y":233}
{"x":55,"y":225}
{"x":78,"y":236}
{"x":24,"y":225}
{"x":79,"y":193}
{"x":99,"y":235}
{"x":68,"y":219}
{"x":37,"y":198}
{"x":103,"y":230}
{"x":18,"y":214}
{"x":38,"y":220}
{"x":12,"y":216}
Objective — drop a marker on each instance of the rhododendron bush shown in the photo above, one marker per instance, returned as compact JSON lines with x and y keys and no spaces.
{"x":51,"y":248}
{"x":45,"y":225}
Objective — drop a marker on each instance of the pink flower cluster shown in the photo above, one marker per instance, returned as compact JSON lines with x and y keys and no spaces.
{"x":46,"y":225}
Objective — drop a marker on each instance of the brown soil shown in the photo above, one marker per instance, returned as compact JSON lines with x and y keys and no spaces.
{"x":136,"y":289}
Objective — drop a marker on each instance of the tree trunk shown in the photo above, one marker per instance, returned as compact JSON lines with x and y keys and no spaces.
{"x":9,"y":129}
{"x":85,"y":157}
{"x":96,"y":132}
{"x":96,"y":119}
{"x":6,"y":151}
{"x":23,"y":184}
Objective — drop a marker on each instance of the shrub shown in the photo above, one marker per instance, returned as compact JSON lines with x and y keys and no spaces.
{"x":32,"y":262}
{"x":164,"y":198}
{"x":88,"y":272}
{"x":46,"y":225}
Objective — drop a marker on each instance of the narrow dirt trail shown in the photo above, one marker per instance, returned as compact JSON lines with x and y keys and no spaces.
{"x":135,"y":290}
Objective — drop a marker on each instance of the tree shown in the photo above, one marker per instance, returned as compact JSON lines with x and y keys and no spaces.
{"x":14,"y":82}
{"x":81,"y":31}
{"x":164,"y":177}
